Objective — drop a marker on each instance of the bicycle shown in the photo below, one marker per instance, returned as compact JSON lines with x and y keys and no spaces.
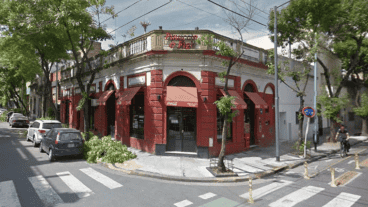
{"x":343,"y":150}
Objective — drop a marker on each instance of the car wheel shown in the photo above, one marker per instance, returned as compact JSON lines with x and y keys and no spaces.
{"x":40,"y":148}
{"x":51,"y":156}
{"x":34,"y":142}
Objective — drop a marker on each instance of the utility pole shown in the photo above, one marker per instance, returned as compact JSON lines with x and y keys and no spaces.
{"x":276,"y":92}
{"x":315,"y":102}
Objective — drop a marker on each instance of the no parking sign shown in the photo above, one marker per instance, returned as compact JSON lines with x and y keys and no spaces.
{"x":308,"y":112}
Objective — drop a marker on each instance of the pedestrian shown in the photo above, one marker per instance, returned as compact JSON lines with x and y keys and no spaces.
{"x":343,"y":135}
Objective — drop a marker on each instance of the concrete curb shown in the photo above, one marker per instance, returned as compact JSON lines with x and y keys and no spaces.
{"x":221,"y":179}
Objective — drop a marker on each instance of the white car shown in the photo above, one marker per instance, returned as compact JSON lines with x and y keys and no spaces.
{"x":18,"y":119}
{"x":39,"y":128}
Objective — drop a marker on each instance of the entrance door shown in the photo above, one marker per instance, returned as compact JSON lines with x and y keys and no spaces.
{"x":67,"y":112}
{"x":181,"y":133}
{"x":110,"y":111}
{"x":249,"y":121}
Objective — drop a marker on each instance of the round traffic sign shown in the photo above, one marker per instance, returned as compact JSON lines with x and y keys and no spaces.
{"x":308,"y":111}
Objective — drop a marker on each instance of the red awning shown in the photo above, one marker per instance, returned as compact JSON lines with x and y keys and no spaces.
{"x":257,"y":100}
{"x":181,"y":96}
{"x":238,"y":101}
{"x":103,"y":98}
{"x":128,"y":95}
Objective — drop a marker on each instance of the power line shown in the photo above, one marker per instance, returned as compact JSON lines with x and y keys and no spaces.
{"x":255,"y":7}
{"x":251,"y":6}
{"x":212,"y":14}
{"x":142,"y":16}
{"x":237,"y":13}
{"x":121,"y":10}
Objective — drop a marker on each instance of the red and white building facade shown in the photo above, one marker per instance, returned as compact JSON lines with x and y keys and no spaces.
{"x":159,"y":90}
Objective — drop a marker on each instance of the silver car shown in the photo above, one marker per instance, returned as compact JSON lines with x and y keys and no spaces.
{"x":18,"y":119}
{"x":40,"y":128}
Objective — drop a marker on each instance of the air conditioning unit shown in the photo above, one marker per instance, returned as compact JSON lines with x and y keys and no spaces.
{"x":94,"y":102}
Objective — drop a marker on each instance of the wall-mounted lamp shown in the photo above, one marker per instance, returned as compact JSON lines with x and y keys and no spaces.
{"x":204,"y":99}
{"x":158,"y":97}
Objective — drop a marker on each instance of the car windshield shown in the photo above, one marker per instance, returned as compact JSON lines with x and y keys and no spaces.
{"x":70,"y":136}
{"x":15,"y":114}
{"x":51,"y":125}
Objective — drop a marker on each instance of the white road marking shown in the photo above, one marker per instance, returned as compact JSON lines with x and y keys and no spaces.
{"x":337,"y":169}
{"x":183,"y":203}
{"x":44,"y":190}
{"x":343,"y":199}
{"x":22,"y":154}
{"x":328,"y":160}
{"x":75,"y":185}
{"x":8,"y":194}
{"x":207,"y":195}
{"x":351,"y":161}
{"x":259,"y":192}
{"x":297,"y":196}
{"x":106,"y":181}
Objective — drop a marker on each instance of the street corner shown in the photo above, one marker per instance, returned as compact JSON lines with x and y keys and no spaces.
{"x":128,"y":165}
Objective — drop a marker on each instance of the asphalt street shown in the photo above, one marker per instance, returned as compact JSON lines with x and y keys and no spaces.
{"x":27,"y":178}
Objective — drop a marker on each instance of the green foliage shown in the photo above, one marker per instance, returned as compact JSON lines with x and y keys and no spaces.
{"x":65,"y":125}
{"x":301,"y":147}
{"x":332,"y":106}
{"x":82,"y":101}
{"x":108,"y":150}
{"x":46,"y":118}
{"x":224,"y":105}
{"x":3,"y":117}
{"x":362,"y":111}
{"x":50,"y":112}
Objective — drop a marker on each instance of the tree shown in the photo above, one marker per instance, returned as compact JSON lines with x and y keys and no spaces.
{"x":82,"y":29}
{"x":341,"y":26}
{"x":362,"y":111}
{"x":28,"y":21}
{"x":19,"y":64}
{"x":225,"y":104}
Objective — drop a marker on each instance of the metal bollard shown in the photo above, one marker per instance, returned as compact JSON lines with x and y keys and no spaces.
{"x":333,"y":184}
{"x":250,"y":191}
{"x":306,"y":171}
{"x":357,"y":167}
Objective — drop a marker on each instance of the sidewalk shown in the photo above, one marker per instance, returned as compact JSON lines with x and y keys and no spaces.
{"x":257,"y":162}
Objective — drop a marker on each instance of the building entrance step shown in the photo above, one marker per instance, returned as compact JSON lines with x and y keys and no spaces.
{"x":181,"y":154}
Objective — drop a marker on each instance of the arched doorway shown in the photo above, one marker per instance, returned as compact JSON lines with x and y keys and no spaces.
{"x":249,"y":114}
{"x":110,"y":111}
{"x":181,"y":122}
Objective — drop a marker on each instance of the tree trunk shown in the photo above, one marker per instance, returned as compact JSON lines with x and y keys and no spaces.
{"x":86,"y":119}
{"x":301,"y":121}
{"x":364,"y":127}
{"x":333,"y":125}
{"x":220,"y":165}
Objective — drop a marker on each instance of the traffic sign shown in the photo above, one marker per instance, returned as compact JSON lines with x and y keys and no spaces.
{"x":309,"y":111}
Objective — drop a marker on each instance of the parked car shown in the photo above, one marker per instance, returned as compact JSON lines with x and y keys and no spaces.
{"x":62,"y":142}
{"x":8,"y":115}
{"x":40,"y":128}
{"x":2,"y":111}
{"x":17,"y":119}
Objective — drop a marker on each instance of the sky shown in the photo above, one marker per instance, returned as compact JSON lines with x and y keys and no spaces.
{"x":186,"y":15}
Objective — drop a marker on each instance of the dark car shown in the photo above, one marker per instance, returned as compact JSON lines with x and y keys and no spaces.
{"x":62,"y":142}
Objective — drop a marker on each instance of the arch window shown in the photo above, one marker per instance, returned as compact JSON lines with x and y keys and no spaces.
{"x":249,"y":88}
{"x":182,"y":81}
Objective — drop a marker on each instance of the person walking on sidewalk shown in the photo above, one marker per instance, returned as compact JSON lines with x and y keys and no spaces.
{"x":343,"y":135}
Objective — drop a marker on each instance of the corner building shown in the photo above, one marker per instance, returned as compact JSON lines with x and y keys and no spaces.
{"x":157,"y":94}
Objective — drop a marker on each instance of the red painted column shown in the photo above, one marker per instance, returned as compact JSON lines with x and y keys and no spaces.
{"x":206,"y":113}
{"x":154,"y":124}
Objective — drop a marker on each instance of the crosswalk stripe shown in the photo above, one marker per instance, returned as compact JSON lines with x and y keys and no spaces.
{"x":44,"y":190}
{"x":297,"y":196}
{"x":183,"y":203}
{"x":101,"y":178}
{"x":343,"y":199}
{"x":75,"y":185}
{"x":258,"y":193}
{"x":207,"y":195}
{"x":8,"y":194}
